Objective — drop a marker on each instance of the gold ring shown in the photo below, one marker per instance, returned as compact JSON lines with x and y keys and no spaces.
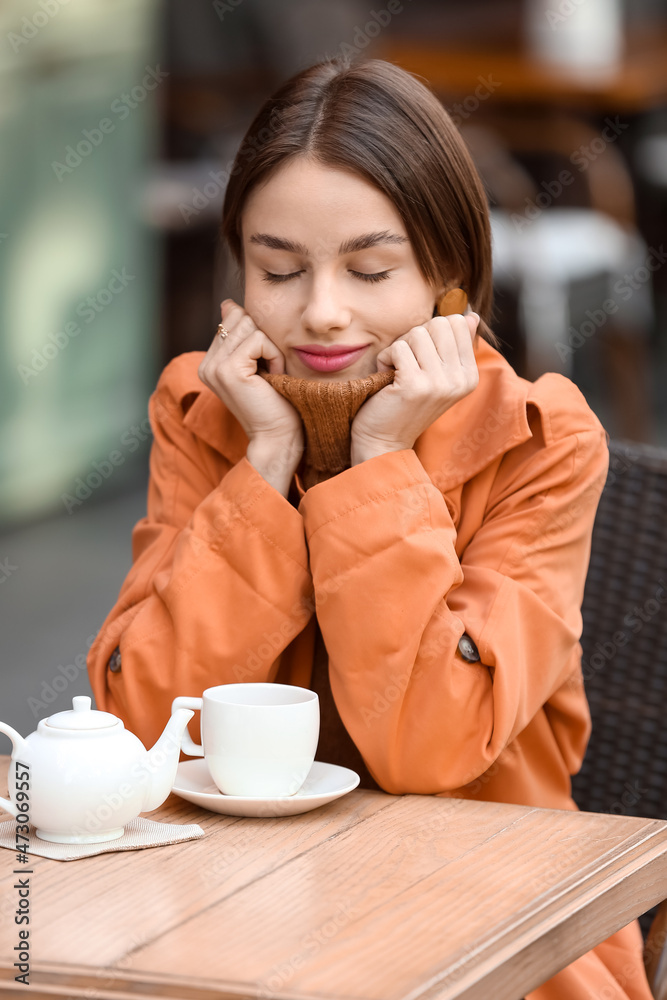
{"x":222,"y":332}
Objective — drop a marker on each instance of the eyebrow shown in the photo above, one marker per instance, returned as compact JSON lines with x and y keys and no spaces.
{"x":351,"y":245}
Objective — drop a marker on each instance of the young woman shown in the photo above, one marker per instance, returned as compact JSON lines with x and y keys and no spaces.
{"x":353,"y":491}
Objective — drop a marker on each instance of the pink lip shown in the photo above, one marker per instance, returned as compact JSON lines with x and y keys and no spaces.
{"x":329,"y":359}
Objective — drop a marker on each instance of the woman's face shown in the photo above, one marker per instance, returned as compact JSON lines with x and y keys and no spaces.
{"x":330,"y":274}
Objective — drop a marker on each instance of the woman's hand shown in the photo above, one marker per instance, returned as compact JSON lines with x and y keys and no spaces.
{"x":435,"y":367}
{"x":271,"y":423}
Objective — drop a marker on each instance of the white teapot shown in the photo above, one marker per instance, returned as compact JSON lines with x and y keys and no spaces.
{"x":84,"y":776}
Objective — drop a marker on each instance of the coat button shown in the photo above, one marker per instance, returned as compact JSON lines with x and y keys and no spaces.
{"x":114,"y":661}
{"x":468,"y":649}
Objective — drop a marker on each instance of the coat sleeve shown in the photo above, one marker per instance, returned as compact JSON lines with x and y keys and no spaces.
{"x":219,"y":563}
{"x":393,"y":599}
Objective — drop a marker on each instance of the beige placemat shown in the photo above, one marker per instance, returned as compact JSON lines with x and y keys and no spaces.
{"x":139,"y":833}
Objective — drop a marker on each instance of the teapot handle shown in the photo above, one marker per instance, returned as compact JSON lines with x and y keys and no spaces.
{"x":188,"y":745}
{"x":8,"y":806}
{"x":19,"y":743}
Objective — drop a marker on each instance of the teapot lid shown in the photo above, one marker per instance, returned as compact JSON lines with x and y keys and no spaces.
{"x":81,"y":716}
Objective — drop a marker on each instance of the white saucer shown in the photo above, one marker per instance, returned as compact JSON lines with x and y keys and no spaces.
{"x":325,"y":782}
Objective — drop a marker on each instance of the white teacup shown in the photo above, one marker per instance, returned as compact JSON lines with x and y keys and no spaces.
{"x":258,"y":739}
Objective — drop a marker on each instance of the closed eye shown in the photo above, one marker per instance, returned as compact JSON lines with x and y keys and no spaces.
{"x":379,"y":276}
{"x":277,"y":278}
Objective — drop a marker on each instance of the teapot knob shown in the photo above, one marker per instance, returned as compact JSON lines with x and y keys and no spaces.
{"x":81,"y":703}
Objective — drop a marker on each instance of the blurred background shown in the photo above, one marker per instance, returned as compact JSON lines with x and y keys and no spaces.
{"x":119,"y":121}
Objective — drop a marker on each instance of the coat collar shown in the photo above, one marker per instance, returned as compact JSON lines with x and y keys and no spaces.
{"x":458,"y":445}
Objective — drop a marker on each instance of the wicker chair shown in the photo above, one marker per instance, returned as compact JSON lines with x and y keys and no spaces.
{"x":625,"y":657}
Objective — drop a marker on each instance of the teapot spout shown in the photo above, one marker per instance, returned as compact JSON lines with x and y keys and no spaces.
{"x":162,"y":759}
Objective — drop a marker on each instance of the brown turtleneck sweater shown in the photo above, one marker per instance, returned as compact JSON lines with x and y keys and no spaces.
{"x":327,"y":410}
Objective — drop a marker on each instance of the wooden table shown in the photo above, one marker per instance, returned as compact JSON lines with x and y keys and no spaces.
{"x":373,"y":896}
{"x":637,"y":84}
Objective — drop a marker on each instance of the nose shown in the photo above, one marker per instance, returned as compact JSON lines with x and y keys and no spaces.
{"x":326,"y":312}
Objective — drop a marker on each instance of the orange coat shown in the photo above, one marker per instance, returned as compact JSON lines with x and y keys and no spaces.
{"x":483,"y":527}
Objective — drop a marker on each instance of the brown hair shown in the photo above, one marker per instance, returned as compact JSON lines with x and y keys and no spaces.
{"x":381,"y":122}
